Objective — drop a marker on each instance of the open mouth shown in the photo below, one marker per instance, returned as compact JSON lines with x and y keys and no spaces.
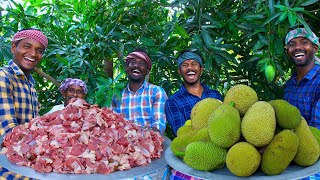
{"x":191,"y":74}
{"x":136,"y":72}
{"x":29,"y":59}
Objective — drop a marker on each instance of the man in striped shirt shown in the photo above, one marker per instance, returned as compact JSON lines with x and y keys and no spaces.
{"x":18,"y":100}
{"x":303,"y":88}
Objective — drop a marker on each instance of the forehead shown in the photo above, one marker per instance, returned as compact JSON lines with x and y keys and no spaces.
{"x":299,"y":39}
{"x":75,"y":87}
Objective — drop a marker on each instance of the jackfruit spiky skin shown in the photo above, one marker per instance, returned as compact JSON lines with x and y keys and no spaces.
{"x":308,"y":151}
{"x":259,"y":124}
{"x":280,"y":152}
{"x":243,"y":159}
{"x":201,"y":112}
{"x":288,"y":116}
{"x":205,"y":156}
{"x":201,"y":135}
{"x":316,"y":133}
{"x":180,"y":143}
{"x":184,"y":130}
{"x":243,"y":96}
{"x":224,"y":126}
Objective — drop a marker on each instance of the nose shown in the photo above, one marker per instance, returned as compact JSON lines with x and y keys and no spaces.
{"x":32,"y":52}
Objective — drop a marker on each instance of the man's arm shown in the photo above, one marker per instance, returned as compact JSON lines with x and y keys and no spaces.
{"x":315,"y":114}
{"x":174,"y":117}
{"x":7,"y":111}
{"x":159,"y":120}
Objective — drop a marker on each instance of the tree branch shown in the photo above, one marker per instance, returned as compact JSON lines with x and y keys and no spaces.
{"x":41,"y":73}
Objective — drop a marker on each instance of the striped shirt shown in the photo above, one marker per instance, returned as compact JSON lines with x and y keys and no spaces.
{"x":18,"y":100}
{"x":145,"y":107}
{"x":179,"y":105}
{"x":305,"y":95}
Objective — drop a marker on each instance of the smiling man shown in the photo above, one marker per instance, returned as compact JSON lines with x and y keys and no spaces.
{"x":178,"y":107}
{"x":19,"y":101}
{"x":142,"y":102}
{"x":303,"y":88}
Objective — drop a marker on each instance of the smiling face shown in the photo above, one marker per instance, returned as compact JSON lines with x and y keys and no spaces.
{"x":190,"y":70}
{"x":27,"y":53}
{"x":137,"y":69}
{"x":73,"y":91}
{"x":301,"y":51}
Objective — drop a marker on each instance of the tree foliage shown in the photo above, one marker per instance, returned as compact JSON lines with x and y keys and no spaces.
{"x":88,"y":39}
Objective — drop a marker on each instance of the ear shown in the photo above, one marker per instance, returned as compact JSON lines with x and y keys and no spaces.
{"x":179,"y":72}
{"x":13,"y":48}
{"x":64,"y":93}
{"x":316,"y":48}
{"x":201,"y":70}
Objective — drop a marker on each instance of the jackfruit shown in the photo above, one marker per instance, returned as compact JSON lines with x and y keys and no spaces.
{"x":201,"y":112}
{"x":187,"y":123}
{"x":280,"y":152}
{"x":308,"y":151}
{"x":288,"y":116}
{"x":243,"y":96}
{"x":224,"y":126}
{"x":179,"y":144}
{"x":201,"y":135}
{"x":184,"y":130}
{"x":259,"y":124}
{"x":205,"y":156}
{"x":316,"y":133}
{"x":243,"y":159}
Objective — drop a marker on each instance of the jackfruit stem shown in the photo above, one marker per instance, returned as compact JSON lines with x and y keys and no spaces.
{"x":232,"y":104}
{"x":179,"y":154}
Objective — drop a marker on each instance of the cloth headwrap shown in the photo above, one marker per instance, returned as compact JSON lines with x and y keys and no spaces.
{"x":69,"y":82}
{"x":32,"y":34}
{"x":140,"y":55}
{"x":302,"y":32}
{"x":189,"y":56}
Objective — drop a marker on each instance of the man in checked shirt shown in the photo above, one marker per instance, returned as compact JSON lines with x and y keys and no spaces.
{"x":303,"y":88}
{"x":18,"y":97}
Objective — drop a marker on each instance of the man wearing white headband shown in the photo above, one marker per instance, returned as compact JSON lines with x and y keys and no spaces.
{"x":19,"y":100}
{"x":70,"y":88}
{"x":302,"y":89}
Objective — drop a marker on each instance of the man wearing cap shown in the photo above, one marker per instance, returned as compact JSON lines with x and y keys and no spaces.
{"x":142,"y":102}
{"x":19,"y":101}
{"x":303,"y":88}
{"x":179,"y":105}
{"x":70,"y":88}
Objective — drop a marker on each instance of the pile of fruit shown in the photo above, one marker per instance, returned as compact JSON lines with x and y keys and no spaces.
{"x":246,"y":135}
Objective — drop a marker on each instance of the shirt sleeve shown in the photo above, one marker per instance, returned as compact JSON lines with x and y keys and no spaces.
{"x":7,"y":111}
{"x":174,"y":116}
{"x":315,"y":114}
{"x":159,"y":120}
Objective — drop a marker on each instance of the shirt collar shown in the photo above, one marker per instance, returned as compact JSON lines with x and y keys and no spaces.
{"x":19,"y":72}
{"x":184,"y":90}
{"x":311,"y":74}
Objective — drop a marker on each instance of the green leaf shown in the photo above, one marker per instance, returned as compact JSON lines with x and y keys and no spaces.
{"x":283,"y":16}
{"x":181,"y":31}
{"x":292,"y":18}
{"x":207,"y":38}
{"x":307,"y":3}
{"x":296,"y":9}
{"x":281,"y":7}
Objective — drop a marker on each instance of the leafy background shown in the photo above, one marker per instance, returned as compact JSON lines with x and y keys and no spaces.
{"x":89,"y":39}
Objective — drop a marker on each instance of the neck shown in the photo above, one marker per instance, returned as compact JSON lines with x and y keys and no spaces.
{"x":195,"y":89}
{"x":303,"y":70}
{"x":135,"y":85}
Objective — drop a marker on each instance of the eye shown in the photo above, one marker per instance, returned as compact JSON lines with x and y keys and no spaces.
{"x":40,"y":51}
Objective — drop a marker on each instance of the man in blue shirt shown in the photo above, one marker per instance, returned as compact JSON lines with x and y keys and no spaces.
{"x":178,"y":107}
{"x":303,"y":88}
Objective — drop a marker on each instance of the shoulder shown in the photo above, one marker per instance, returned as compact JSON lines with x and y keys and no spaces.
{"x":156,"y":88}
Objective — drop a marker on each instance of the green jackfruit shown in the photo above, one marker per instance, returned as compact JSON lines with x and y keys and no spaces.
{"x":243,"y":96}
{"x":259,"y":124}
{"x":243,"y":159}
{"x":184,"y":130}
{"x":201,"y":112}
{"x":288,"y":116}
{"x":316,"y":133}
{"x":201,"y":135}
{"x":308,"y":152}
{"x":179,"y":144}
{"x":205,"y":156}
{"x":224,"y":126}
{"x":280,"y":152}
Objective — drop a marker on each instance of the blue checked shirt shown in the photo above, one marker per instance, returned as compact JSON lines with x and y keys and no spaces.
{"x":18,"y":101}
{"x":144,"y":107}
{"x":305,"y":95}
{"x":180,"y":104}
